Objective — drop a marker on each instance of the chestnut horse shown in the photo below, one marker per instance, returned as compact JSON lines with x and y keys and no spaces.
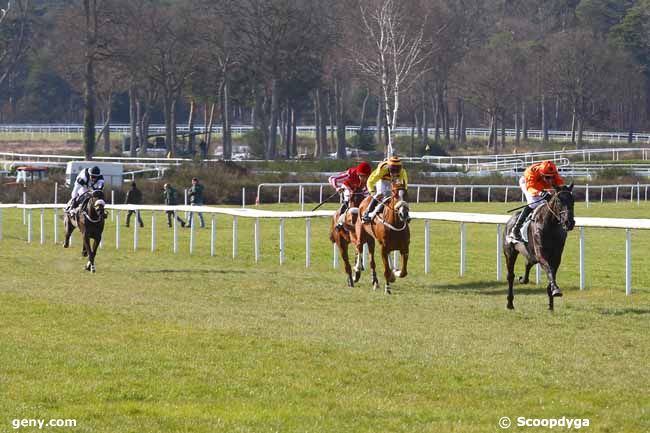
{"x":89,"y":220}
{"x":347,"y":235}
{"x":547,"y":233}
{"x":391,"y":229}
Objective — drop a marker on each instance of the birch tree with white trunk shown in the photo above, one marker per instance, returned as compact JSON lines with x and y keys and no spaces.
{"x":393,"y":54}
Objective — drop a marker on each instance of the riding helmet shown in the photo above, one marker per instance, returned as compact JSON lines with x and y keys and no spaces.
{"x":95,"y":171}
{"x":364,"y":169}
{"x":548,"y":168}
{"x":394,"y":164}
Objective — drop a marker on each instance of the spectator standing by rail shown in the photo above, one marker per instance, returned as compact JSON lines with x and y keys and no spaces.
{"x":196,"y":199}
{"x":134,"y":196}
{"x":169,"y":198}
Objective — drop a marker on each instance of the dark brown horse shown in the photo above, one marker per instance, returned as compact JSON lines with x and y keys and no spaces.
{"x":547,"y":234}
{"x":347,"y":235}
{"x":391,"y":229}
{"x":89,"y":219}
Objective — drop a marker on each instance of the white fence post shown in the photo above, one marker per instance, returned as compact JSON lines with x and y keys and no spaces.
{"x":499,"y":253}
{"x":55,"y":227}
{"x":175,"y":234}
{"x":243,"y":197}
{"x":587,"y":194}
{"x":436,"y":198}
{"x":153,"y":231}
{"x":488,"y":194}
{"x":42,"y":226}
{"x":213,"y":236}
{"x":538,"y":273}
{"x":628,"y":262}
{"x":364,"y":256}
{"x":582,"y":258}
{"x":335,"y":256}
{"x":282,"y":241}
{"x":192,"y":228}
{"x":279,"y":194}
{"x":463,"y":234}
{"x":234,"y":237}
{"x":24,"y":209}
{"x":135,"y":232}
{"x":257,"y":240}
{"x":427,"y":243}
{"x":506,"y":198}
{"x":117,"y":230}
{"x":307,"y":242}
{"x":112,"y":204}
{"x":29,"y":226}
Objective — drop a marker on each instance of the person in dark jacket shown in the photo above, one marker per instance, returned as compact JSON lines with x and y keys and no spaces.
{"x":134,"y":196}
{"x":169,"y":197}
{"x":196,"y":199}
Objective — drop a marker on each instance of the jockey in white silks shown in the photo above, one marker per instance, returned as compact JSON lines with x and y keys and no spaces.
{"x":89,"y":179}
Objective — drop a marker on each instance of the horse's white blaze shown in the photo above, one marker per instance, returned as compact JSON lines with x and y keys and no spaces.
{"x":100,"y":202}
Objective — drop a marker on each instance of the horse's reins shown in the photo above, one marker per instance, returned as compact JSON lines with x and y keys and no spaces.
{"x":392,"y":209}
{"x":553,"y":212}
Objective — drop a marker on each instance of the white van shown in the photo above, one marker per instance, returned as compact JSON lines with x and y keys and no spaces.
{"x":112,"y":172}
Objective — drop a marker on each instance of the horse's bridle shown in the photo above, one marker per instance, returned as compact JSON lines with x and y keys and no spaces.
{"x":94,"y":221}
{"x":553,"y":212}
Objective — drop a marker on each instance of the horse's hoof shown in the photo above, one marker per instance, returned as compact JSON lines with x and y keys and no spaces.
{"x":391,"y":278}
{"x":357,"y":277}
{"x":92,"y":269}
{"x":397,"y":273}
{"x":523,"y":280}
{"x":84,"y":254}
{"x":387,"y":290}
{"x":510,"y":307}
{"x":556,"y":293}
{"x":375,"y":285}
{"x":350,"y":282}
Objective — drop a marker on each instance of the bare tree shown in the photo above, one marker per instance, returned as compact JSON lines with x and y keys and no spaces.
{"x":393,"y":54}
{"x":14,"y":35}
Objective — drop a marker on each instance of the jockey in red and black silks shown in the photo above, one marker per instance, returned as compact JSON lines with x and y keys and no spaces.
{"x":347,"y":183}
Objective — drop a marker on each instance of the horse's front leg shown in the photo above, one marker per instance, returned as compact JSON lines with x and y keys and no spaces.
{"x":402,"y":272}
{"x":343,"y":249}
{"x":526,"y":278}
{"x":86,"y":251}
{"x":511,"y":258}
{"x":373,"y":264}
{"x":388,"y":272}
{"x":552,"y":289}
{"x":93,"y":252}
{"x":69,"y":228}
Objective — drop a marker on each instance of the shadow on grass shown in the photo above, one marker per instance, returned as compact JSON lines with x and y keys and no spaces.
{"x":489,"y":288}
{"x":625,"y":311}
{"x":192,"y":271}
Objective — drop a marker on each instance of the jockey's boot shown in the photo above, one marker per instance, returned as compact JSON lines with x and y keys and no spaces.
{"x":515,"y":234}
{"x":366,"y":217}
{"x":70,"y":207}
{"x":341,"y":220}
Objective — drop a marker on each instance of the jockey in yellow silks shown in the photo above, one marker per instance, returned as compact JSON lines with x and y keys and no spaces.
{"x":380,"y":184}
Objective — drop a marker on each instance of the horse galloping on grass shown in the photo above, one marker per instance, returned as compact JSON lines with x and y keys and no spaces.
{"x":347,"y":235}
{"x":89,"y":219}
{"x":390,"y":228}
{"x":547,"y":233}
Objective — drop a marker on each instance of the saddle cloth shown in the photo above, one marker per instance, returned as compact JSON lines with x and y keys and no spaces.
{"x":524,"y":228}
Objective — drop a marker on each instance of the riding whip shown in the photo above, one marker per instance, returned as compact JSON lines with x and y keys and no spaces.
{"x":523,"y":206}
{"x":324,"y":201}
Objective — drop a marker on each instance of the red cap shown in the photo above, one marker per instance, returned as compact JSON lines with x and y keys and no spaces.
{"x":364,"y":169}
